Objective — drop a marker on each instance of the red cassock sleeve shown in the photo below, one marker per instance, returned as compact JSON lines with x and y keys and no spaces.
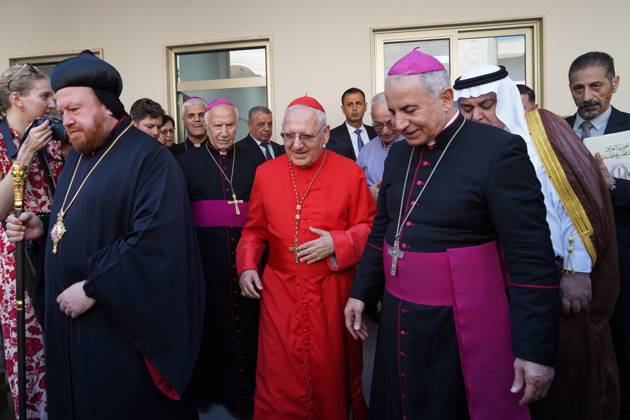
{"x":349,"y":243}
{"x":254,"y":235}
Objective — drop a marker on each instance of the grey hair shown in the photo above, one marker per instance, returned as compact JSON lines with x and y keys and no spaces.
{"x":19,"y":77}
{"x":256,"y":109}
{"x":321,"y":117}
{"x":205,"y":116}
{"x":433,"y":83}
{"x":379,"y":97}
{"x":193,"y":101}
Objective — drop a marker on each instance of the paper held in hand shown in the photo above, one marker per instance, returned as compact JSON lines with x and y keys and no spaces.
{"x":615,"y":149}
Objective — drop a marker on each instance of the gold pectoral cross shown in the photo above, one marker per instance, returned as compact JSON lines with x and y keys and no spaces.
{"x":57,"y":231}
{"x":236,"y":202}
{"x":295,"y":249}
{"x":395,"y":253}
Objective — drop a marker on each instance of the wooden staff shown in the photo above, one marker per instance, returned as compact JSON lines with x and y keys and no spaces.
{"x":18,"y":174}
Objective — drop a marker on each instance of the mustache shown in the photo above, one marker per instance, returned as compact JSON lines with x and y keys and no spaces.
{"x":588,"y":104}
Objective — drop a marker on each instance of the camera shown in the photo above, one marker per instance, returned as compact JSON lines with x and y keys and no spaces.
{"x":58,"y":130}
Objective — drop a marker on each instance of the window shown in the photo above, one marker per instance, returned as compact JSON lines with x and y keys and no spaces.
{"x":236,"y":70}
{"x":46,"y":62}
{"x":516,"y":44}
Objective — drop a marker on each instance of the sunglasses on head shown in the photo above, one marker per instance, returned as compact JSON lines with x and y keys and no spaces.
{"x":25,"y":65}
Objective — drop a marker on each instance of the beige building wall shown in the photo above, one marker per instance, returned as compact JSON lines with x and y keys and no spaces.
{"x":320,"y":47}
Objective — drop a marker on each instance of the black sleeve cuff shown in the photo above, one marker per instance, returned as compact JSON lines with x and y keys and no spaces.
{"x":89,"y":289}
{"x":535,"y":315}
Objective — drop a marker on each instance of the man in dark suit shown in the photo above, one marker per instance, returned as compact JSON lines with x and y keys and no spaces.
{"x":350,"y":137}
{"x":258,"y":141}
{"x":593,"y":81}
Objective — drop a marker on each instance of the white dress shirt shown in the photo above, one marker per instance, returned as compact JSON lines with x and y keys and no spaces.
{"x":353,"y":137}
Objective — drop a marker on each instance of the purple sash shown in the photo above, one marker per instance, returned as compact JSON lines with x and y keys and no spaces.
{"x":471,"y":280}
{"x":218,"y":213}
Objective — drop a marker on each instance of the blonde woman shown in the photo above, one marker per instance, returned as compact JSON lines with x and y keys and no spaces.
{"x":25,"y":95}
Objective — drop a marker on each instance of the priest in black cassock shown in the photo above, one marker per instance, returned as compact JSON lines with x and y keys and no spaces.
{"x":219,"y":177}
{"x":193,"y":111}
{"x":124,"y":286}
{"x":459,"y":206}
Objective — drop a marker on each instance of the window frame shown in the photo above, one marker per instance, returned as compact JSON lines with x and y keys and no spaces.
{"x":531,"y":27}
{"x":50,"y":58}
{"x":174,"y":86}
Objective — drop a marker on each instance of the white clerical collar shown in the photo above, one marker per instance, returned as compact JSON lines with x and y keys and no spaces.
{"x":452,"y":120}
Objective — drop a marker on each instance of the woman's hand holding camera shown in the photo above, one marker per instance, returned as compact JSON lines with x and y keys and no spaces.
{"x":38,"y":138}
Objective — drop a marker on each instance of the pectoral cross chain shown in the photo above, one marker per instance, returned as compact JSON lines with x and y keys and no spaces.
{"x":295,"y":248}
{"x":236,"y":202}
{"x":395,"y":253}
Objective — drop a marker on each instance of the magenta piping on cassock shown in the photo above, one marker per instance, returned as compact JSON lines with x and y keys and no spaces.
{"x":472,"y":282}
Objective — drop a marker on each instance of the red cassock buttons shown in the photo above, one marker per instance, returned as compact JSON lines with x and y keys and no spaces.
{"x":419,"y":182}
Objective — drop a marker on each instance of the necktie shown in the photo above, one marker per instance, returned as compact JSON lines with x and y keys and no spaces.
{"x":359,"y":139}
{"x":266,"y":150}
{"x":586,"y":127}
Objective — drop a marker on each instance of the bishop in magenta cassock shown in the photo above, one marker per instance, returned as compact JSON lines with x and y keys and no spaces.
{"x":219,"y":176}
{"x":313,"y":211}
{"x":459,"y":205}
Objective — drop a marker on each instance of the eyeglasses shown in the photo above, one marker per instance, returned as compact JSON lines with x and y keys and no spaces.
{"x":306,"y":138}
{"x":167,"y":131}
{"x":25,"y":65}
{"x":380,"y":126}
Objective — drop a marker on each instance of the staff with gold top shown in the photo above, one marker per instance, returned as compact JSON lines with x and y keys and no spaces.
{"x":19,"y":173}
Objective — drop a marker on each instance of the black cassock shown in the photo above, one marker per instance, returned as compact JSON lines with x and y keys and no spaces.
{"x":484,"y":190}
{"x":225,"y":372}
{"x":129,"y":233}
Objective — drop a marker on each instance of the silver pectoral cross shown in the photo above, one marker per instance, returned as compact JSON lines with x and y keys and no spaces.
{"x":395,"y":253}
{"x":236,"y":202}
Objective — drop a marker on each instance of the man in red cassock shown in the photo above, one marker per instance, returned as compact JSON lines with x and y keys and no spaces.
{"x":314,"y":211}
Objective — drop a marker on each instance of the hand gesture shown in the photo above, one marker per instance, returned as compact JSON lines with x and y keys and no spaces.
{"x":38,"y":138}
{"x":353,"y":313}
{"x":73,"y":301}
{"x":534,"y":377}
{"x":250,"y":284}
{"x":576,"y":292}
{"x":317,"y":249}
{"x":28,"y":226}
